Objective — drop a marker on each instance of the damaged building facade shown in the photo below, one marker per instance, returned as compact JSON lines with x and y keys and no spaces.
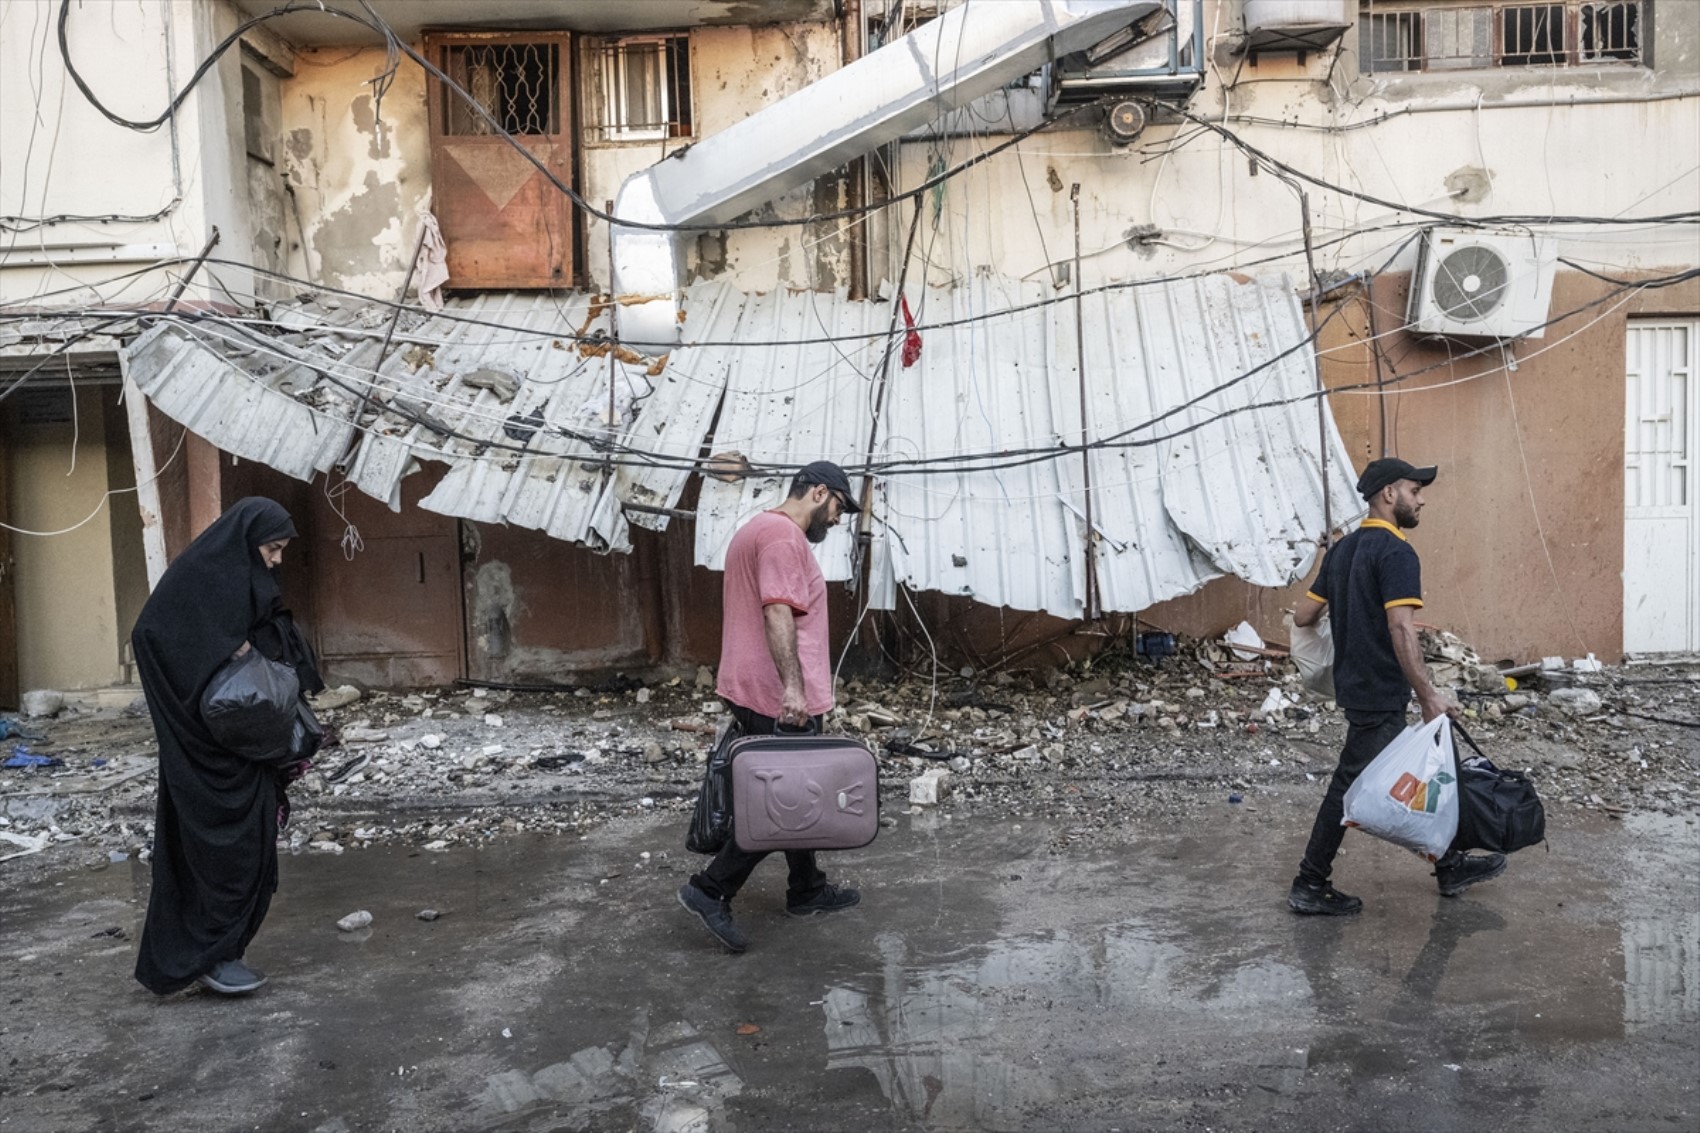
{"x":1101,"y":302}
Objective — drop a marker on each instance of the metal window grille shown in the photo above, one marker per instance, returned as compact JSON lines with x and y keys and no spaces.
{"x":1391,"y":41}
{"x":517,"y":84}
{"x":1532,"y":35}
{"x":1458,"y":38}
{"x":1610,"y":31}
{"x":1448,"y":35}
{"x":644,"y":88}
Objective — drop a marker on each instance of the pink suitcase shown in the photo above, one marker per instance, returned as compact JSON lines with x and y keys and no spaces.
{"x":793,"y":792}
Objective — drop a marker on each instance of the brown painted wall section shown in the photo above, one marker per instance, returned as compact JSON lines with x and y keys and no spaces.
{"x":1522,"y":536}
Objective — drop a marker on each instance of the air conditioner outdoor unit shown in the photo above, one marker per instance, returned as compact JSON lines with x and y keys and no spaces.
{"x":1481,"y":284}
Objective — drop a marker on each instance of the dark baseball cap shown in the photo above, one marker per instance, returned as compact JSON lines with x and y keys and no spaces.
{"x":1390,"y":470}
{"x":829,"y":475}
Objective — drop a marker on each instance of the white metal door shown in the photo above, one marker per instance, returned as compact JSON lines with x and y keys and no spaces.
{"x":1661,"y":484}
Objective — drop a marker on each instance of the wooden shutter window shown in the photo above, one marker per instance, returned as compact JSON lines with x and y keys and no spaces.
{"x":505,"y":225}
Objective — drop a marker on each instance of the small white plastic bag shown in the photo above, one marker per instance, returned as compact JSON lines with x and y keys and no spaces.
{"x":1408,"y":795}
{"x":1313,"y":652}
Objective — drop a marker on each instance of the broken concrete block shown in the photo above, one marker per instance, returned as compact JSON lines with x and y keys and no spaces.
{"x":340,"y":697}
{"x":354,"y":922}
{"x":1576,"y":701}
{"x":42,"y":702}
{"x":929,"y":787}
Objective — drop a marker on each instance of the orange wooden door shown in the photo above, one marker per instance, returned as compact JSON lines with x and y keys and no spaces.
{"x":505,"y":223}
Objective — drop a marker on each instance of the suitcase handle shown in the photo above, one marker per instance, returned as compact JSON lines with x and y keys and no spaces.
{"x":813,"y":729}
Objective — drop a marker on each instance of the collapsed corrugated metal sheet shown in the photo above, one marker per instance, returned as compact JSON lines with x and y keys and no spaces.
{"x":522,"y":396}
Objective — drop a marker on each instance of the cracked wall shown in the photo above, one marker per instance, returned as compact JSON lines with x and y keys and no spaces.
{"x":356,"y":169}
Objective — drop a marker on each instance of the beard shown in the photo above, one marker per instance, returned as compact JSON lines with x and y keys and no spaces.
{"x":819,"y":524}
{"x":1405,"y":515}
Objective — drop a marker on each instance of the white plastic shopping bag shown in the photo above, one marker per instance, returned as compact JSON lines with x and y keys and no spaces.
{"x":1312,"y":650}
{"x":1409,"y":794}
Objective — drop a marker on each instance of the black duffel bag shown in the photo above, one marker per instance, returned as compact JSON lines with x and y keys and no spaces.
{"x":711,"y":821}
{"x":1498,"y":810}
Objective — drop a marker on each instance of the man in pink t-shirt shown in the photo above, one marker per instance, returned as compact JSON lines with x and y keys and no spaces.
{"x":776,"y":669}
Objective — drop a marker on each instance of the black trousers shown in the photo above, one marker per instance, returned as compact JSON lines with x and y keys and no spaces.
{"x":1367,"y":735}
{"x":732,"y":867}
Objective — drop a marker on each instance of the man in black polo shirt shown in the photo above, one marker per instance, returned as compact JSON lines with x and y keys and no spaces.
{"x":1371,"y":582}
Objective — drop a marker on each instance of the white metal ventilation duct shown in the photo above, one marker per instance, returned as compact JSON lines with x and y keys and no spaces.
{"x":944,"y":65}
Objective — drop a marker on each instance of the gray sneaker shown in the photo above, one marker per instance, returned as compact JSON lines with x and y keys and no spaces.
{"x":233,"y":977}
{"x":715,"y":915}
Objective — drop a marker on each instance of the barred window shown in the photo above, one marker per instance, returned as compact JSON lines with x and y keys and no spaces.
{"x":641,"y":90}
{"x":517,"y":84}
{"x":1407,"y":35}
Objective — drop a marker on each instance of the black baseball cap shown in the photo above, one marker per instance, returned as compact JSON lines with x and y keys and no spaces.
{"x":1390,"y":470}
{"x":829,"y":475}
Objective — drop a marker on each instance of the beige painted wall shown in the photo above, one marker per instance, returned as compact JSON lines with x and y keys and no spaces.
{"x":64,"y":158}
{"x":68,"y":625}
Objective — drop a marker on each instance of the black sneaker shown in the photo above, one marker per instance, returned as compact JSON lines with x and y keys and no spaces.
{"x":829,"y":900}
{"x":233,"y":977}
{"x":715,"y":915}
{"x":1321,"y":900}
{"x":1457,"y":872}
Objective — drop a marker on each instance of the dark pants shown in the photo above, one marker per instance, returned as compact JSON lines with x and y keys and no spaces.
{"x":732,"y":867}
{"x":1367,"y":735}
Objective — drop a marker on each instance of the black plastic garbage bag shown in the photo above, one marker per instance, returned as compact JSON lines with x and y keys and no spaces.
{"x":306,"y":734}
{"x":1499,"y":811}
{"x":249,"y":706}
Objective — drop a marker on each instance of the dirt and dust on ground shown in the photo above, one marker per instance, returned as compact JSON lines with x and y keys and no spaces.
{"x":1084,"y":747}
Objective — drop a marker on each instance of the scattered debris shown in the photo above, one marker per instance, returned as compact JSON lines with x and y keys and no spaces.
{"x":1084,"y":746}
{"x":22,"y":756}
{"x":930,"y":787}
{"x":41,"y":703}
{"x":1576,"y":701}
{"x":427,"y":914}
{"x":354,"y":922}
{"x":333,"y":698}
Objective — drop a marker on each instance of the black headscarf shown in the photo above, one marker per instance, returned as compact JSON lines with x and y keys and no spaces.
{"x":215,"y":832}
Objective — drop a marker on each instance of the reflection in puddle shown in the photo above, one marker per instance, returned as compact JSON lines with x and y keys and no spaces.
{"x":681,"y":1078}
{"x":1661,"y":954}
{"x":943,"y":1041}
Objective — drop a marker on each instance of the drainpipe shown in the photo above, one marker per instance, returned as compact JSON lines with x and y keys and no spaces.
{"x":855,"y":30}
{"x":968,"y":52}
{"x":1092,"y":611}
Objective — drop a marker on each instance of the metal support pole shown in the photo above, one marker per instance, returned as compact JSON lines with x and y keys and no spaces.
{"x":189,"y":276}
{"x":613,"y":347}
{"x":383,"y":352}
{"x":1092,"y":611}
{"x":1321,"y":390}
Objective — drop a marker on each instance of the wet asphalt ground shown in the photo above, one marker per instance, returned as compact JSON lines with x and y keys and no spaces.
{"x":987,"y":982}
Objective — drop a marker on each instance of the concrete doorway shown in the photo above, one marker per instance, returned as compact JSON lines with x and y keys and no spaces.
{"x":1661,"y":513}
{"x":75,"y":575}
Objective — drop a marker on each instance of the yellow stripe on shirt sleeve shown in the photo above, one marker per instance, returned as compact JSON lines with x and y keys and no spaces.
{"x":1402,"y":602}
{"x":1315,"y":597}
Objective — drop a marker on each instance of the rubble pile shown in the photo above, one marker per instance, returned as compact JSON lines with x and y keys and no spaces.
{"x":1083,"y":748}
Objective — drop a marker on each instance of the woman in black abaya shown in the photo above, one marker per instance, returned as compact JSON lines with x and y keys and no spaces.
{"x":215,"y":831}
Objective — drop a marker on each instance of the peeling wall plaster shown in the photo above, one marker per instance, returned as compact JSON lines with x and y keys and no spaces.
{"x":357,"y":169}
